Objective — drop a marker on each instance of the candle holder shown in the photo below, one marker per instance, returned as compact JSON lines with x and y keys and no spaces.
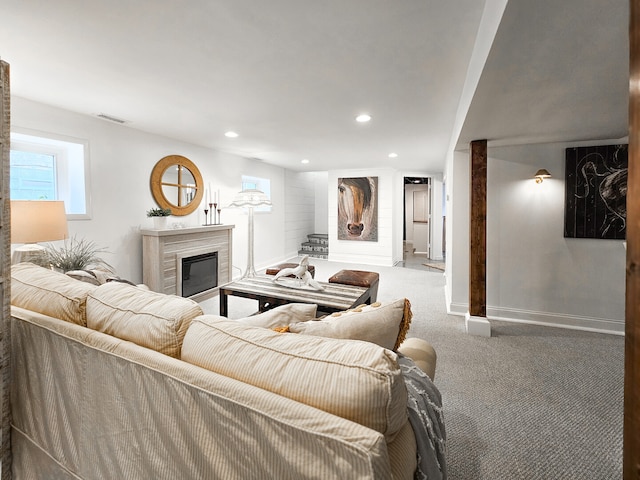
{"x":215,"y":217}
{"x":206,"y":212}
{"x":219,"y":220}
{"x":211,"y":214}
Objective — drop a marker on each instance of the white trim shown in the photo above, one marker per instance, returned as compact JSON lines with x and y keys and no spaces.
{"x":547,"y":319}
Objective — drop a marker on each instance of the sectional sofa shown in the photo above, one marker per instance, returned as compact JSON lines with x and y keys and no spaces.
{"x":115,"y":381}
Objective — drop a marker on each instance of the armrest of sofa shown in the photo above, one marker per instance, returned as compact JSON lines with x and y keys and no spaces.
{"x":422,"y":353}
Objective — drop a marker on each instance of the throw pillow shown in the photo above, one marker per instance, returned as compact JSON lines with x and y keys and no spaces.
{"x":385,"y":324}
{"x":282,"y":315}
{"x":48,"y":292}
{"x":150,"y":319}
{"x":355,"y":380}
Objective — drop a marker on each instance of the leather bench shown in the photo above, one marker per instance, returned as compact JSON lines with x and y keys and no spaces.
{"x":358,"y":278}
{"x":274,"y":270}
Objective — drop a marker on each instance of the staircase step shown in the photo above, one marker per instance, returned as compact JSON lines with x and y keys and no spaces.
{"x":314,"y":247}
{"x":313,"y":254}
{"x":321,"y":238}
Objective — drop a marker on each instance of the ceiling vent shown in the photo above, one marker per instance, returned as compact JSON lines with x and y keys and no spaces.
{"x":104,"y":116}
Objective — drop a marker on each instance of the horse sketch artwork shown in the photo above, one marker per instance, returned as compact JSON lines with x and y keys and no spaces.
{"x":596,"y":192}
{"x":358,"y":209}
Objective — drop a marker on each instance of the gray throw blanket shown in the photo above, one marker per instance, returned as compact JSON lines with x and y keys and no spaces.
{"x":427,"y":420}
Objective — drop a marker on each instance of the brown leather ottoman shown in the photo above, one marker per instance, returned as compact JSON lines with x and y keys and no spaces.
{"x":359,"y":278}
{"x":273,"y":270}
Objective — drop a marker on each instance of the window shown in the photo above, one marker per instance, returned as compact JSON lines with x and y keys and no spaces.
{"x":50,"y":167}
{"x":256,"y":183}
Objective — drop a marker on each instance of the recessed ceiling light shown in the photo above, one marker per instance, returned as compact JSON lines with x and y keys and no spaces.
{"x":363,"y":118}
{"x":393,"y":155}
{"x":304,"y":160}
{"x":231,"y":134}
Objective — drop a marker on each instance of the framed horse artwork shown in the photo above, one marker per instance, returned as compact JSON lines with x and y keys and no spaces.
{"x":358,"y":209}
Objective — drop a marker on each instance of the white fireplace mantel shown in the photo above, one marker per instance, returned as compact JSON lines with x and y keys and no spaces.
{"x":163,"y":251}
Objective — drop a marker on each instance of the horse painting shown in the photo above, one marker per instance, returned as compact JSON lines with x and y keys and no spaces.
{"x":358,"y":209}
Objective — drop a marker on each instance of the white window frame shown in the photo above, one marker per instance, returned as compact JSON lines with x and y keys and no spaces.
{"x":71,"y":165}
{"x":262,"y":184}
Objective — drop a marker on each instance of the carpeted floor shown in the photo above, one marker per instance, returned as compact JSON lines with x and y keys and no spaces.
{"x":530,"y":402}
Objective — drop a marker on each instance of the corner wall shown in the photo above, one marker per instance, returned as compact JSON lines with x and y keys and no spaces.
{"x":534,"y":274}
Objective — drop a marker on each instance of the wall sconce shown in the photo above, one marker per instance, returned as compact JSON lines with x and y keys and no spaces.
{"x":541,"y":174}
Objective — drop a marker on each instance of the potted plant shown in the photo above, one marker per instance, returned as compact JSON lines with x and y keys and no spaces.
{"x":159,"y":216}
{"x":75,"y":254}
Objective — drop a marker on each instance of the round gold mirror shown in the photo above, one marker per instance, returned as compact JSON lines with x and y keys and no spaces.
{"x":176,"y":183}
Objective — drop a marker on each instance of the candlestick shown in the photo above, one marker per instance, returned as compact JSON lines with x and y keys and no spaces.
{"x":206,"y":212}
{"x":211,"y":208}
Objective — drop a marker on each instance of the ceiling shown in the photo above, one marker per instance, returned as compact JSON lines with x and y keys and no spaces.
{"x":290,"y":76}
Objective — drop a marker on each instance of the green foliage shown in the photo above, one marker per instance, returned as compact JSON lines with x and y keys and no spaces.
{"x":159,"y":212}
{"x":75,"y":254}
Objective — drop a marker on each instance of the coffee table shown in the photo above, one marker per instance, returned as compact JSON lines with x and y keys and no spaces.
{"x":334,"y":298}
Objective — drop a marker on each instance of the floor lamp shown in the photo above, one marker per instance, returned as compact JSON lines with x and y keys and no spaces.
{"x":34,"y":221}
{"x":250,"y":199}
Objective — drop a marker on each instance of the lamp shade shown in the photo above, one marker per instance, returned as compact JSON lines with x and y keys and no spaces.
{"x":250,"y":198}
{"x":35,"y":221}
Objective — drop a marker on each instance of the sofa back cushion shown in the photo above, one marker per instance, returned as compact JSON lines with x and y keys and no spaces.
{"x":48,"y":292}
{"x":355,"y":380}
{"x":384,"y":323}
{"x":150,"y":319}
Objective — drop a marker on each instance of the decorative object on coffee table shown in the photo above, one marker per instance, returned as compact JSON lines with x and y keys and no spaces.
{"x":302,"y":276}
{"x":250,"y":198}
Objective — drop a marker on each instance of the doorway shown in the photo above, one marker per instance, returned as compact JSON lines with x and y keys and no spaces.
{"x":417,"y":219}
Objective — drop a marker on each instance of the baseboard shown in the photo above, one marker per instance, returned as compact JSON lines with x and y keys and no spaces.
{"x":478,"y":326}
{"x":575,"y":322}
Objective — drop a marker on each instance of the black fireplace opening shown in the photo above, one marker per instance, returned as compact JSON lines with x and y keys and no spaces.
{"x":199,"y":273}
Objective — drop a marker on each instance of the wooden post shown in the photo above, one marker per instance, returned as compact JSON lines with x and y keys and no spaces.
{"x":476,"y":319}
{"x":5,"y":274}
{"x":631,"y":451}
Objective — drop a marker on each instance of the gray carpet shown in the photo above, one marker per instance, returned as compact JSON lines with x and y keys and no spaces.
{"x":530,"y":402}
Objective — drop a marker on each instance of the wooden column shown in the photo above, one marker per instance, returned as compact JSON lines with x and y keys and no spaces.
{"x":478,"y":231}
{"x":5,"y":274}
{"x":631,"y":453}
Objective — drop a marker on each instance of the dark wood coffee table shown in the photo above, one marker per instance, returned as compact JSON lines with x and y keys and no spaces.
{"x":334,"y":298}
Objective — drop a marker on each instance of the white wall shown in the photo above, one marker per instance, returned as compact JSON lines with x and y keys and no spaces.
{"x":534,"y":274}
{"x":121,"y":160}
{"x":299,"y":209}
{"x":322,"y":202}
{"x":389,"y":195}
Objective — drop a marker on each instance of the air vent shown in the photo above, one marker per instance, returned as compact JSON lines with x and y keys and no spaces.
{"x":111,"y":118}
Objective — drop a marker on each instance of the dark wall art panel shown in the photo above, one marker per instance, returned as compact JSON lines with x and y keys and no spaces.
{"x":358,"y":209}
{"x":596,"y":192}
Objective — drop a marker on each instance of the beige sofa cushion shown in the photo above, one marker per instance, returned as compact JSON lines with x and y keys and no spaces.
{"x":385,"y":324}
{"x":282,"y":315}
{"x":355,"y":380}
{"x":48,"y":292}
{"x":150,"y":319}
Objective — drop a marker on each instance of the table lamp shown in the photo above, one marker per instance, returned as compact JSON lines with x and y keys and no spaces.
{"x":34,"y":221}
{"x":250,"y":199}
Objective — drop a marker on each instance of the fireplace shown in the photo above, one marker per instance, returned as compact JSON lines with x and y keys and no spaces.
{"x":199,"y":273}
{"x":164,"y":250}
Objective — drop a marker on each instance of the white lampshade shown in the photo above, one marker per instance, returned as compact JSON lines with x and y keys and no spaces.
{"x":250,"y":198}
{"x":35,"y":221}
